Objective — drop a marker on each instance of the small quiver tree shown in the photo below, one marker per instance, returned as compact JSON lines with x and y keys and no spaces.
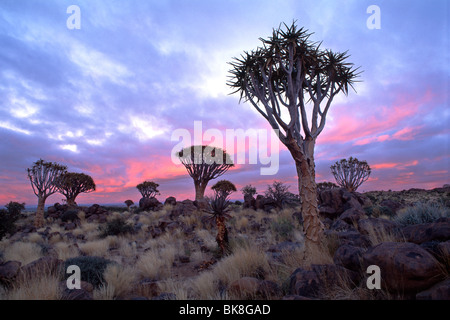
{"x":218,"y":207}
{"x":148,"y":189}
{"x":204,"y":163}
{"x":72,"y":184}
{"x":44,"y":177}
{"x":351,"y":173}
{"x":128,"y":203}
{"x":224,"y":187}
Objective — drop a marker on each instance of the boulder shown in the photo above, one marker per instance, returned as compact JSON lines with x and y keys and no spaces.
{"x":45,"y":265}
{"x":9,"y":271}
{"x":333,"y":202}
{"x":351,"y":215}
{"x":353,"y":238}
{"x":147,"y":288}
{"x":366,"y":226}
{"x":405,"y":267}
{"x":84,"y":293}
{"x":150,"y":204}
{"x":268,"y":290}
{"x":264,"y":203}
{"x":435,"y":231}
{"x":440,"y":291}
{"x":349,"y":257}
{"x":170,"y":201}
{"x":246,"y":287}
{"x":183,"y":208}
{"x":309,"y":283}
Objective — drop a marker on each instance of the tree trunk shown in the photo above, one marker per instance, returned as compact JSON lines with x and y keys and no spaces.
{"x":304,"y":163}
{"x":200,"y":188}
{"x":39,"y":219}
{"x":71,"y":202}
{"x":222,"y":235}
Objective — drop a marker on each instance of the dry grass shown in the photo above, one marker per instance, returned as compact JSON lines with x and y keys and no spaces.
{"x":119,"y":280}
{"x":24,"y":252}
{"x":96,"y":247}
{"x":45,"y":287}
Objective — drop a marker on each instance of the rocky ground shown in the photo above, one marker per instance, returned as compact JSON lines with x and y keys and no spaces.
{"x":168,"y":251}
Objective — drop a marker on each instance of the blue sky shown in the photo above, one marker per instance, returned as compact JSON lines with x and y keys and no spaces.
{"x":105,"y":99}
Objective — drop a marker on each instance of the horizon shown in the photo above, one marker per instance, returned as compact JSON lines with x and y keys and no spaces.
{"x":107,"y":98}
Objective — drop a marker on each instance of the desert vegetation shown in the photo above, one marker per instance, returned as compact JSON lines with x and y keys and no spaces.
{"x":179,"y":252}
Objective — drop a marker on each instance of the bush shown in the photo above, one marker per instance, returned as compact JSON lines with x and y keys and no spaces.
{"x":9,"y":217}
{"x":422,"y":213}
{"x":91,"y":268}
{"x":283,"y":228}
{"x":115,"y":227}
{"x":279,"y":192}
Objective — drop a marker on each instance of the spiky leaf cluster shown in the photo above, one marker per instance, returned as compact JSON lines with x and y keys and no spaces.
{"x":287,"y":71}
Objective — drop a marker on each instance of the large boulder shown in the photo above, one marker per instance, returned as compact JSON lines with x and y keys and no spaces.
{"x":440,"y":291}
{"x":183,"y":208}
{"x":170,"y":201}
{"x":46,"y":265}
{"x":9,"y":271}
{"x":150,"y":204}
{"x":435,"y":231}
{"x":377,"y":225}
{"x":333,"y":202}
{"x":310,"y":283}
{"x":405,"y":267}
{"x":265,"y":203}
{"x":349,"y":257}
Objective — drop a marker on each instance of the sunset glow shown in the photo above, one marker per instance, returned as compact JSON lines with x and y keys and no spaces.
{"x":105,"y":99}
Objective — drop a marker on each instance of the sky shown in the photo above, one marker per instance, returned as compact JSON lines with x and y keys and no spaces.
{"x":106,"y":96}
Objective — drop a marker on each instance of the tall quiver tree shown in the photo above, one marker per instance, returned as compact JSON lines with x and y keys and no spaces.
{"x":291,"y":82}
{"x":204,"y":163}
{"x":72,"y":184}
{"x":44,"y":177}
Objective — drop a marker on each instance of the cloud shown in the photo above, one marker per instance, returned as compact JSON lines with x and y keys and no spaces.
{"x":105,"y":99}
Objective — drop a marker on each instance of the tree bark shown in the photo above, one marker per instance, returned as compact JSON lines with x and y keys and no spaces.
{"x":39,"y":218}
{"x":304,"y":162}
{"x":200,"y":190}
{"x":222,"y":235}
{"x":71,"y":202}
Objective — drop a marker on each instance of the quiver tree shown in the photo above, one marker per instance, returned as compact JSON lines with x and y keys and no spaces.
{"x":204,"y":163}
{"x":71,"y":184}
{"x":128,"y":203}
{"x":224,"y":188}
{"x":44,"y":177}
{"x":351,"y":173}
{"x":219,"y":208}
{"x":291,"y":82}
{"x":148,"y":189}
{"x":248,"y":191}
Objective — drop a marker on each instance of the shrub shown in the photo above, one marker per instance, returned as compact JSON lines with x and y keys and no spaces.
{"x":422,"y":213}
{"x":91,"y":268}
{"x":279,"y":192}
{"x":283,"y":228}
{"x":248,"y":190}
{"x":9,"y":217}
{"x":115,"y":227}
